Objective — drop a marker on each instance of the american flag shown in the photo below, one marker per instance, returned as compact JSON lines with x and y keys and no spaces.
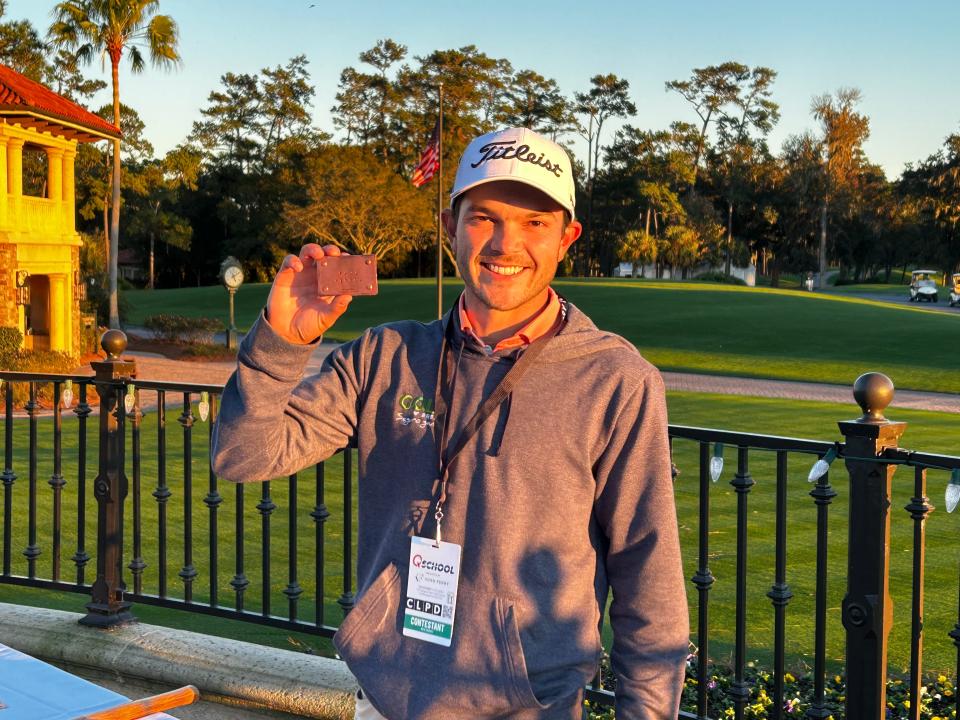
{"x":429,"y":159}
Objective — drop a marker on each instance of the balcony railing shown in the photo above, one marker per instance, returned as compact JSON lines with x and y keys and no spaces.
{"x":38,"y":216}
{"x":166,"y":532}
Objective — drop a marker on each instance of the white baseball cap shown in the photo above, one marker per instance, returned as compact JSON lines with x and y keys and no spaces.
{"x":521,"y":155}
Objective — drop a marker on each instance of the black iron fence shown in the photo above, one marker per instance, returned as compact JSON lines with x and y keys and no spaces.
{"x":281,"y":553}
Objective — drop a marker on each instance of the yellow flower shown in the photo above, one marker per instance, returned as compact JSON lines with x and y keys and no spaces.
{"x":941,"y":678}
{"x":787,"y":677}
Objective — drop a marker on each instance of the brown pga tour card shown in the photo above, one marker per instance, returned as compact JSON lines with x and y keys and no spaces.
{"x":347,"y":275}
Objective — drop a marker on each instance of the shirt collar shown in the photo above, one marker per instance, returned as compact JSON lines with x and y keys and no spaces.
{"x":538,"y":326}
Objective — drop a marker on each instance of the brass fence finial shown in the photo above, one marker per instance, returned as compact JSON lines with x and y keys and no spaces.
{"x":873,"y":391}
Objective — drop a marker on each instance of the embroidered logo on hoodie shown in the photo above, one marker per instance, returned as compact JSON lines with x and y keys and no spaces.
{"x":417,"y":410}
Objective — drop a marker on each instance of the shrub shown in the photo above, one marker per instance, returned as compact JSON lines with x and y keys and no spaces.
{"x":180,"y":329}
{"x":208,"y":351}
{"x":10,"y":340}
{"x":719,"y":276}
{"x":39,"y":361}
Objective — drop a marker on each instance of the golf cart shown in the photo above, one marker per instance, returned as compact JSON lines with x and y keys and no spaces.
{"x":955,"y":290}
{"x":923,"y":286}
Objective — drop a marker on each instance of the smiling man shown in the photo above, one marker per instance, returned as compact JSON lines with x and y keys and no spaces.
{"x":513,"y":468}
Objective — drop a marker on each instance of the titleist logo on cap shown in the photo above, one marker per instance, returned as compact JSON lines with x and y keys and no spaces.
{"x":504,"y":150}
{"x":528,"y":157}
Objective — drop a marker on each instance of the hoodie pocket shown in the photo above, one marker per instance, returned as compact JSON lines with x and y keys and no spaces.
{"x":376,"y":609}
{"x":513,"y":653}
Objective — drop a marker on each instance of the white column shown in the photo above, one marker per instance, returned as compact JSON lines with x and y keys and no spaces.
{"x":69,"y":190}
{"x":14,"y":176}
{"x":59,"y":313}
{"x":3,"y":181}
{"x":54,"y":174}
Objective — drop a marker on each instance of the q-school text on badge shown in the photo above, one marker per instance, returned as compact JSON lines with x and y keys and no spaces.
{"x":431,"y":599}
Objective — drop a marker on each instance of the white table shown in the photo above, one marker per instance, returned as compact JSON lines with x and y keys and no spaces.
{"x":33,"y":690}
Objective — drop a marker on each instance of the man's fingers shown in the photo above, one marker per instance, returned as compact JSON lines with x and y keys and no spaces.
{"x":311,"y":250}
{"x":340,"y":303}
{"x":287,"y":273}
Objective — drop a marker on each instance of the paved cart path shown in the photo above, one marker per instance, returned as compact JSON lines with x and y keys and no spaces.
{"x":155,"y":367}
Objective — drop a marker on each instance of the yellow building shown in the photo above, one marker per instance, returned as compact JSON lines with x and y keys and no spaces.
{"x":40,"y":281}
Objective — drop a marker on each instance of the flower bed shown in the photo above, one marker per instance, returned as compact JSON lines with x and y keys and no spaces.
{"x":937,"y":695}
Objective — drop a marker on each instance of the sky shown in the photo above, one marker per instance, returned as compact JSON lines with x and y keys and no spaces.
{"x":904,"y":57}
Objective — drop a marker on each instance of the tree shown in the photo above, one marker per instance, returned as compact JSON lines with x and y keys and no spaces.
{"x":22,"y":48}
{"x":740,"y":150}
{"x":932,"y":188}
{"x":844,"y":132}
{"x":533,"y":101}
{"x":153,"y":189}
{"x":638,"y":247}
{"x":228,"y":133}
{"x":253,"y":137}
{"x":641,"y":183}
{"x":709,"y":90}
{"x":65,"y":78}
{"x":356,"y":203}
{"x":794,"y":195}
{"x":110,"y":28}
{"x":608,"y":98}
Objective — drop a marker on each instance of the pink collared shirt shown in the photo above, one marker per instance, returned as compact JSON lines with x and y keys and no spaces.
{"x":534,"y":329}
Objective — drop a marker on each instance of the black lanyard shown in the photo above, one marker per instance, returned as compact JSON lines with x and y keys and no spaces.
{"x":447,"y":371}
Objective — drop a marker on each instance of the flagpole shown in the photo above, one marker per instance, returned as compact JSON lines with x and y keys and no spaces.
{"x":440,"y":205}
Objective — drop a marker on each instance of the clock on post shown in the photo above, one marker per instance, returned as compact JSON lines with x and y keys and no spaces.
{"x":231,"y":275}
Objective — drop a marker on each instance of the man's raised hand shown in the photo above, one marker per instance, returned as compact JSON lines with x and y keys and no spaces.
{"x":294,"y":310}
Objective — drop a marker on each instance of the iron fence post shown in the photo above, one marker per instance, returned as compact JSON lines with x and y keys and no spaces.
{"x":867,"y":607}
{"x":107,"y":606}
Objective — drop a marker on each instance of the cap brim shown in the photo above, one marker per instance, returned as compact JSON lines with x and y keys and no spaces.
{"x":513,"y":178}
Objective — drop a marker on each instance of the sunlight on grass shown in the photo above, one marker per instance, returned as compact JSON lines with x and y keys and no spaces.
{"x":701,"y":327}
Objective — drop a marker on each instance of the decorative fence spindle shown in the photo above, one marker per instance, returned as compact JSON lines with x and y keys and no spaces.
{"x":742,"y":482}
{"x":137,"y":565}
{"x":703,"y":581}
{"x":780,"y":592}
{"x":345,"y":601}
{"x":32,"y":551}
{"x":239,"y":582}
{"x":188,"y":573}
{"x":293,"y":591}
{"x":213,"y":501}
{"x":8,"y":477}
{"x":320,"y":516}
{"x":82,"y":411}
{"x":823,"y":494}
{"x":57,"y":482}
{"x":162,"y":493}
{"x":266,"y":508}
{"x":919,"y":508}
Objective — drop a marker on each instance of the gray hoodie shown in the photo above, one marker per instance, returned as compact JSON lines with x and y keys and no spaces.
{"x":564,"y":493}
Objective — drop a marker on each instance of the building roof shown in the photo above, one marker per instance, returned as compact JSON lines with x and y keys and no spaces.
{"x":127,"y":256}
{"x":34,"y":105}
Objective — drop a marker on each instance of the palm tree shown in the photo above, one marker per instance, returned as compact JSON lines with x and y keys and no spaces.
{"x":108,"y":28}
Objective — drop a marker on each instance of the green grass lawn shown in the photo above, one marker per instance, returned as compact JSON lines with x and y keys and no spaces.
{"x":683,"y":326}
{"x":893,"y":291}
{"x":931,"y":432}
